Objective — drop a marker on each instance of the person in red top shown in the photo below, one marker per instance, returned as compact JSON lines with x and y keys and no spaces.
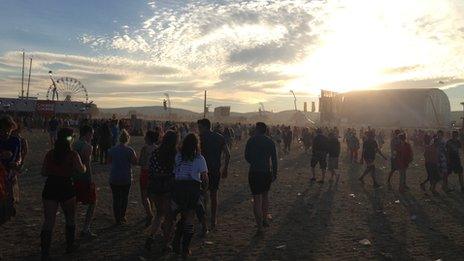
{"x":59,"y":165}
{"x":404,"y":158}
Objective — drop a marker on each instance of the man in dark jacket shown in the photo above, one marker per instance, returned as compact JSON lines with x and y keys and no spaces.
{"x":453,"y":147}
{"x":319,"y":155}
{"x":260,"y":152}
{"x":370,"y":150}
{"x":394,"y":144}
{"x":213,"y":146}
{"x":333,"y":149}
{"x":287,"y":137}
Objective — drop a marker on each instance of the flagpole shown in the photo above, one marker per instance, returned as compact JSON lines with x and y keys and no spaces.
{"x":29,"y":78}
{"x":22,"y":78}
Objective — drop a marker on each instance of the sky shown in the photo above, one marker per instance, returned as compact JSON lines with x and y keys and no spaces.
{"x":245,"y":52}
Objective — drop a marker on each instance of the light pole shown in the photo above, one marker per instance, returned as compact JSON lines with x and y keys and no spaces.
{"x":29,"y":78}
{"x":294,"y":99}
{"x":205,"y":108}
{"x":462,"y":118}
{"x":22,"y":78}
{"x":169,"y":104}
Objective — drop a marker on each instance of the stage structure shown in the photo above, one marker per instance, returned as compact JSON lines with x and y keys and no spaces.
{"x":222,"y":112}
{"x":329,"y":106}
{"x":390,"y":108}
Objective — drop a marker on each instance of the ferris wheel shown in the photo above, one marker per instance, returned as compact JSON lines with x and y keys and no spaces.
{"x":67,"y":89}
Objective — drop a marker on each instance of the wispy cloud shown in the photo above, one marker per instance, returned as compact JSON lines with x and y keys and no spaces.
{"x":251,"y":51}
{"x":232,"y":45}
{"x":104,"y":77}
{"x":206,"y":33}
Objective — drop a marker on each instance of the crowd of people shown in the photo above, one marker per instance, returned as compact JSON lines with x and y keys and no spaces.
{"x":182,"y":165}
{"x":441,"y":155}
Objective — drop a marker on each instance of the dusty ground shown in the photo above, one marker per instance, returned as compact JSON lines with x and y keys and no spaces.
{"x":310,"y":221}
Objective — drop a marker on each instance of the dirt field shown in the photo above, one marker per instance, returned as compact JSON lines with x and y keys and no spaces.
{"x":310,"y":221}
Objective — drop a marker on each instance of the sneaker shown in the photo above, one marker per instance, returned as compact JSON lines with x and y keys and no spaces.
{"x":377,"y":186}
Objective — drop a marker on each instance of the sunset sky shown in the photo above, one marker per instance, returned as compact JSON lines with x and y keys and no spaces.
{"x":130,"y":52}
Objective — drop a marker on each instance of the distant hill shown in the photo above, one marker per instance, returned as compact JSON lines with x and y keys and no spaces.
{"x":146,"y":111}
{"x":150,"y":112}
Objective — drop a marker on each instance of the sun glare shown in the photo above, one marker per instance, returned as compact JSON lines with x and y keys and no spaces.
{"x":362,"y":49}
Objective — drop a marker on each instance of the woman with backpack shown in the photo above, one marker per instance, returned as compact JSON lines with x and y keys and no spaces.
{"x":59,"y":165}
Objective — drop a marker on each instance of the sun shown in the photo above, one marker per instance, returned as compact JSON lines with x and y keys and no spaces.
{"x":365,"y":45}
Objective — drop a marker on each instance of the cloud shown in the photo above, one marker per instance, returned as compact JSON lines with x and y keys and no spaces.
{"x":422,"y":83}
{"x":101,"y":64}
{"x":402,"y":69}
{"x":229,"y":45}
{"x":206,"y":33}
{"x":47,"y":60}
{"x":264,"y":54}
{"x":249,"y":51}
{"x":106,"y":76}
{"x":248,"y":75}
{"x":84,"y":75}
{"x":252,"y":81}
{"x":7,"y":68}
